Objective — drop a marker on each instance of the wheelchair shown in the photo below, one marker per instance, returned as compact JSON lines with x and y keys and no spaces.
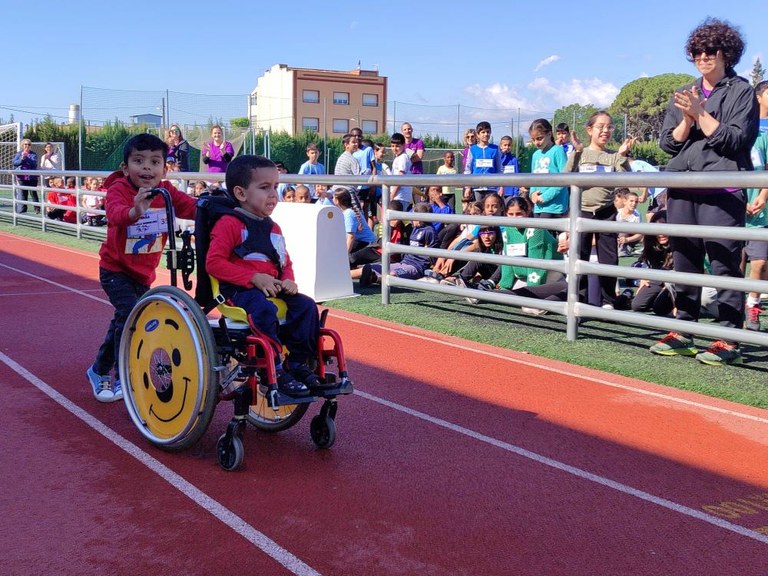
{"x":177,"y":363}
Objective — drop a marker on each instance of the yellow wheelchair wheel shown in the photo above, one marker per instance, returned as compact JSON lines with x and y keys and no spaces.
{"x":167,"y":358}
{"x":267,"y":419}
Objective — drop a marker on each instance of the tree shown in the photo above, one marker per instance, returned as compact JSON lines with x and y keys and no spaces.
{"x":643,"y":102}
{"x":576,"y":116}
{"x":239,"y":122}
{"x":758,"y":72}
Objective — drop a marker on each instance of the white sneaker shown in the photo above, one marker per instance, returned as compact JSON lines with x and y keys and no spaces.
{"x":533,"y":311}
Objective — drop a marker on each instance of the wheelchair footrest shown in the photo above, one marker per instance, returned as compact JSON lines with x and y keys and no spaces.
{"x":275,"y":398}
{"x":344,"y":387}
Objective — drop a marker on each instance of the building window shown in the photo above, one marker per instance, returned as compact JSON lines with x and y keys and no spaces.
{"x":340,"y":126}
{"x":341,"y":98}
{"x":370,"y":127}
{"x":312,"y":124}
{"x":370,"y":99}
{"x":311,"y":96}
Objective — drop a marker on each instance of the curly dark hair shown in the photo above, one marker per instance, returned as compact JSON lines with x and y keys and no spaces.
{"x":712,"y":35}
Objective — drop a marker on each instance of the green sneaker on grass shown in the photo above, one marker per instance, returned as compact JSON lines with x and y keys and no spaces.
{"x":674,"y":344}
{"x":720,"y":354}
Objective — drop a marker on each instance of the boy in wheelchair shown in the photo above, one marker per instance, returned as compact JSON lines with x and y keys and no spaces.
{"x":247,"y":255}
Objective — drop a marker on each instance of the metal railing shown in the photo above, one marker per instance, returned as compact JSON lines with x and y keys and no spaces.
{"x":36,"y":211}
{"x":572,"y":267}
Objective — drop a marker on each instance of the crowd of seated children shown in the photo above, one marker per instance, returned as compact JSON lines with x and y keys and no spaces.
{"x":626,"y":211}
{"x":61,"y":197}
{"x":412,"y":266}
{"x":91,"y":202}
{"x":462,"y":240}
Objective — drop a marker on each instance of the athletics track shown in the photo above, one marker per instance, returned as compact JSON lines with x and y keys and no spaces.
{"x":451,"y":458}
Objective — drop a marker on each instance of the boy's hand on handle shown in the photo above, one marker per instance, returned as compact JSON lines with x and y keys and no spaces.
{"x":141,"y":202}
{"x":269,"y":285}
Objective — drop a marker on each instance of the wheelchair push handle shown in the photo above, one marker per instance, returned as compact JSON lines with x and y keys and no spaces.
{"x":175,"y":259}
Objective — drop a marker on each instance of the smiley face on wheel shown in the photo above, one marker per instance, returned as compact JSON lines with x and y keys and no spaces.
{"x":165,"y":370}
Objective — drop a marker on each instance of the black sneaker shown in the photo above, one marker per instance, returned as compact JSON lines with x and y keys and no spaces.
{"x":304,"y":374}
{"x":288,"y":385}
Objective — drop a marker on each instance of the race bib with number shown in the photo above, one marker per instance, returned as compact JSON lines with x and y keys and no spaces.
{"x":145,"y":236}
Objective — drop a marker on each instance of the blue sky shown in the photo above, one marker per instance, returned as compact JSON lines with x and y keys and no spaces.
{"x":439,"y":57}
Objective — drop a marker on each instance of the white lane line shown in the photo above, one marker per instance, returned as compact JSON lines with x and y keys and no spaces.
{"x":533,"y":364}
{"x":58,"y":285}
{"x":618,"y":486}
{"x":221,"y":512}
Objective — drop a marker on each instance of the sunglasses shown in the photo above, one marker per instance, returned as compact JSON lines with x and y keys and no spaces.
{"x":487,"y":232}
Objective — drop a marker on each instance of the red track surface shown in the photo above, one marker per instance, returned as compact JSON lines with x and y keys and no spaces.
{"x":452,"y":458}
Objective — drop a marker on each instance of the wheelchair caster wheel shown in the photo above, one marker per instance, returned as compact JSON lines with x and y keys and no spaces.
{"x":230,"y":454}
{"x":323,"y":431}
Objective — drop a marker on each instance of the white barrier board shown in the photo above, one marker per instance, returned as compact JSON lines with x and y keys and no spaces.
{"x":316,"y":241}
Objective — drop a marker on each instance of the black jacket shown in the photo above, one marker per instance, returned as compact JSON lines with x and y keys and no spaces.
{"x":733,"y":103}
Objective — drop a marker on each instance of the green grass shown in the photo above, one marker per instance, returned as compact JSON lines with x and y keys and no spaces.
{"x":604,"y":346}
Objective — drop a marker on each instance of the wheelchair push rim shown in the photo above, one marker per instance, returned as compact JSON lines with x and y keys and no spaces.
{"x":167,"y":355}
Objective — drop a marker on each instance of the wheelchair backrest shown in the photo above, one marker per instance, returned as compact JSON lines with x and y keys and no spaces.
{"x":210,"y":207}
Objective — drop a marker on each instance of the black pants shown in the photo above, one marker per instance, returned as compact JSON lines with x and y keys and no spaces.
{"x":654,"y":298}
{"x":713,"y":209}
{"x":607,"y":253}
{"x":24,"y":195}
{"x":123,"y":293}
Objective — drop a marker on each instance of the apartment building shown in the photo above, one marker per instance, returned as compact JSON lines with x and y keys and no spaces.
{"x":329,"y":102}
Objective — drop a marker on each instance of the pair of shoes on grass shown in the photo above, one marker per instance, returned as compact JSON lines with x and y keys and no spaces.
{"x":720,"y":353}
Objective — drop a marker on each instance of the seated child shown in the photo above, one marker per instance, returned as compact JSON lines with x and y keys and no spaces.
{"x":463,"y":240}
{"x":289,"y":194}
{"x":302,"y":195}
{"x":400,"y":233}
{"x":136,"y":236}
{"x":438,"y":206}
{"x":323,"y":197}
{"x":525,"y":242}
{"x":359,"y":234}
{"x":251,"y":263}
{"x":412,"y":266}
{"x":480,"y":275}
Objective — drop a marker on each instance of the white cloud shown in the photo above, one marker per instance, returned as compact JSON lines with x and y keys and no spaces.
{"x":546,"y":62}
{"x":497,"y":96}
{"x":576,"y":91}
